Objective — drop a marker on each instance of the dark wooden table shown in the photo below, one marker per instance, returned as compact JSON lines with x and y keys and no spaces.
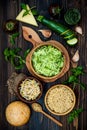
{"x":9,"y":10}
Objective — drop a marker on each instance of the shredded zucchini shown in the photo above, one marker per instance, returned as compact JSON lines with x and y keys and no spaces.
{"x":47,"y":60}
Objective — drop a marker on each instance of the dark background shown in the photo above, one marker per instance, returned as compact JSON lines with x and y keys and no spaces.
{"x":9,"y":10}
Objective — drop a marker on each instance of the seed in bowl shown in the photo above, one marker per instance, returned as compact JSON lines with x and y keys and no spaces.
{"x":60,"y":99}
{"x":47,"y":60}
{"x":29,"y":89}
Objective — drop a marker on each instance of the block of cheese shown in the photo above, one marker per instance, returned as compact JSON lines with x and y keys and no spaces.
{"x":29,"y":18}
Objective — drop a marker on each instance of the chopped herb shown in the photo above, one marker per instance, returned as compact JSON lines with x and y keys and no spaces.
{"x":74,"y":77}
{"x":75,"y":113}
{"x":12,"y":38}
{"x":23,"y":6}
{"x":27,"y":11}
{"x":13,"y":56}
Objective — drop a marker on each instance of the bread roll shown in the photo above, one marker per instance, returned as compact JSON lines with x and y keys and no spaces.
{"x":17,"y":113}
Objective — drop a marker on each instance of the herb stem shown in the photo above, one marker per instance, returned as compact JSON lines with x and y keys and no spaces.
{"x":16,"y":56}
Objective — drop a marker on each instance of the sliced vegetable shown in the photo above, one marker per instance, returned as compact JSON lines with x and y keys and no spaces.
{"x":64,"y":31}
{"x":72,"y":41}
{"x":72,"y":16}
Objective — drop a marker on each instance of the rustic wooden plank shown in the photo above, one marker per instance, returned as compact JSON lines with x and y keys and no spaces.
{"x":10,"y":9}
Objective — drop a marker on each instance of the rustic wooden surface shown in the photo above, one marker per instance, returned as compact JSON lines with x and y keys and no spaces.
{"x":10,"y":9}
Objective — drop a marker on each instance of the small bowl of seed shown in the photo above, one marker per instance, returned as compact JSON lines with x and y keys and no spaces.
{"x":29,"y":90}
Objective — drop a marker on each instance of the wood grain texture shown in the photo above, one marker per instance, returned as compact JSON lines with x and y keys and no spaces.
{"x":10,"y":9}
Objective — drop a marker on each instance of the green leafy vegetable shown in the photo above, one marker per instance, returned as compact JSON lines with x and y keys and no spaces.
{"x":75,"y":113}
{"x":13,"y":37}
{"x":47,"y":60}
{"x":74,"y":77}
{"x":14,"y":57}
{"x":72,"y":16}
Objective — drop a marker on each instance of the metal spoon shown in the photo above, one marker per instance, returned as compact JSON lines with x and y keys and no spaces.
{"x":38,"y":108}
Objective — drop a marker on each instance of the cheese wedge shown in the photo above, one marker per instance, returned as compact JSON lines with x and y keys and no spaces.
{"x":29,"y":18}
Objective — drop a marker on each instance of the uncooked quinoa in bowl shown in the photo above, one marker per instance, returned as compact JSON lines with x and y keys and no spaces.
{"x":60,"y":99}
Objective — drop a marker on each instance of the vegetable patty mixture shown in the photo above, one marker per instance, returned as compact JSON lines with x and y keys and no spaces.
{"x":47,"y":60}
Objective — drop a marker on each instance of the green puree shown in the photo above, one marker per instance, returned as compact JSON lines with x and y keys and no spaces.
{"x":47,"y":60}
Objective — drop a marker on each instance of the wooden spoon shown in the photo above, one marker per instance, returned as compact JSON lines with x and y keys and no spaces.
{"x":38,"y":108}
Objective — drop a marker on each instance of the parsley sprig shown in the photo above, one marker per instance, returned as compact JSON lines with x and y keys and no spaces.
{"x":27,"y":11}
{"x":75,"y":113}
{"x":13,"y":55}
{"x":73,"y":79}
{"x":13,"y":37}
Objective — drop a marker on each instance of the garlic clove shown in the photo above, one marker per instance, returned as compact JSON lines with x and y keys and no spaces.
{"x":46,"y":33}
{"x":78,"y":29}
{"x":76,"y":57}
{"x":74,"y":64}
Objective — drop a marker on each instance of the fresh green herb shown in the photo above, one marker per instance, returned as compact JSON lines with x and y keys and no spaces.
{"x":27,"y":11}
{"x":24,"y":6}
{"x":34,"y":11}
{"x":26,"y":53}
{"x":12,"y":38}
{"x":75,"y":113}
{"x":74,"y":77}
{"x":14,"y":57}
{"x":54,"y":10}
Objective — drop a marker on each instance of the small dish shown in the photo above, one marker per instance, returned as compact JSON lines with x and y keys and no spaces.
{"x":60,"y":99}
{"x":29,"y":90}
{"x":10,"y":26}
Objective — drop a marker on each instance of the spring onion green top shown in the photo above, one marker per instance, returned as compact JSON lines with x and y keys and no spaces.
{"x":47,"y":60}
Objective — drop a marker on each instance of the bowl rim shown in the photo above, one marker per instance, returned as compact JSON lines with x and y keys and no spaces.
{"x":68,"y":111}
{"x":64,"y":53}
{"x":22,"y":98}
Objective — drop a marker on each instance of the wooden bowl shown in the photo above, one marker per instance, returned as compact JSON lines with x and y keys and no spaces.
{"x":22,"y":98}
{"x":45,"y":78}
{"x":60,"y":99}
{"x":31,"y":36}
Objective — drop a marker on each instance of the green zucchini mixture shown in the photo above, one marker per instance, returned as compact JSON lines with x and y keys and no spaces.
{"x":47,"y":60}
